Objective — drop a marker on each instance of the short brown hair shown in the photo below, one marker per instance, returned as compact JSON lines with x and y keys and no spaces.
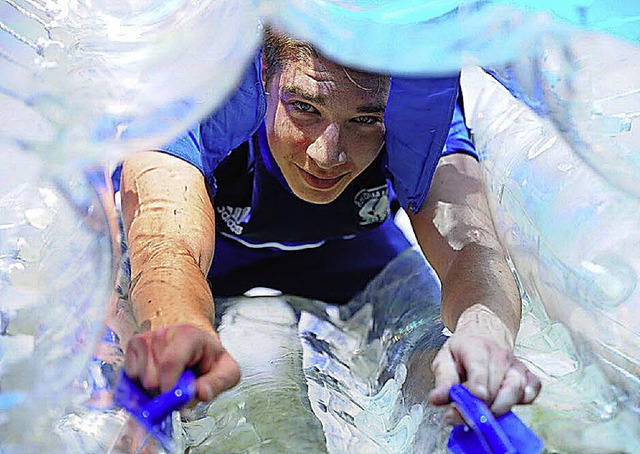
{"x":279,"y":47}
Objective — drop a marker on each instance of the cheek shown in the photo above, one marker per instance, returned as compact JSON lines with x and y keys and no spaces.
{"x":366,"y":148}
{"x":290,"y":137}
{"x":300,"y":144}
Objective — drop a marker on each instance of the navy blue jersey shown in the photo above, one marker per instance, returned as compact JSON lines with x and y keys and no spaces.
{"x":268,"y":237}
{"x":255,"y":206}
{"x":423,"y":121}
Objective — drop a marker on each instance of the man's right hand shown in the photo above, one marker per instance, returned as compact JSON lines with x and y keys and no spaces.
{"x":158,"y":358}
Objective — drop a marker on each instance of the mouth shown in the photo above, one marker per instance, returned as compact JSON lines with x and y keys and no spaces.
{"x":321,"y":183}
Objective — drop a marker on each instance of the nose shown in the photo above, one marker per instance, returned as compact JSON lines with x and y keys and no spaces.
{"x":326,"y":150}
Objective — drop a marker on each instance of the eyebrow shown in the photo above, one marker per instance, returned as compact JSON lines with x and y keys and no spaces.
{"x":371,"y":108}
{"x":320,"y":100}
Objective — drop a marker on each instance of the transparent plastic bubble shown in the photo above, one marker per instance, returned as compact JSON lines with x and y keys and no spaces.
{"x":82,"y":83}
{"x":88,"y":81}
{"x":586,"y":84}
{"x":572,"y":235}
{"x":567,"y":185}
{"x":435,"y":37}
{"x":55,"y":277}
{"x":99,"y":79}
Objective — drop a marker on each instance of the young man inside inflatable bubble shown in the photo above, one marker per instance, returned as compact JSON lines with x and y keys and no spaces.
{"x":292,"y":185}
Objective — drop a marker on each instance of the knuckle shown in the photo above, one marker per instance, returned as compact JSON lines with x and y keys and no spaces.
{"x":235,"y":376}
{"x":501,"y":355}
{"x":216,"y":385}
{"x":224,"y":381}
{"x":514,"y":383}
{"x":150,"y":381}
{"x":534,"y":380}
{"x":136,"y":343}
{"x":168,"y":362}
{"x":158,"y":336}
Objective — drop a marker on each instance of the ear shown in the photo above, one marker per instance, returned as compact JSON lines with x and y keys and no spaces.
{"x":263,"y":72}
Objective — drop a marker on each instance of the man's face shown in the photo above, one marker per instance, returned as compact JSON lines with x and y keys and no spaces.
{"x":325,"y":125}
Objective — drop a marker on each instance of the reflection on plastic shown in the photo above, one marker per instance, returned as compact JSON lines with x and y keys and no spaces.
{"x":55,"y":275}
{"x":571,"y":232}
{"x":88,"y":81}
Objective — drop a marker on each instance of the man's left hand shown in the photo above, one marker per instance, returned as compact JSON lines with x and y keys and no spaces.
{"x":479,"y":355}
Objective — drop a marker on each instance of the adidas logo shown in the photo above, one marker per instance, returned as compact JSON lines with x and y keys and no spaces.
{"x":233,"y":217}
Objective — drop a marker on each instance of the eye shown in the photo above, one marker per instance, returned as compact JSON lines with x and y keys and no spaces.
{"x":302,"y":106}
{"x":367,"y":120}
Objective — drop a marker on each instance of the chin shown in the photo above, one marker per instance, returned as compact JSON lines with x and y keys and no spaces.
{"x":317,"y":197}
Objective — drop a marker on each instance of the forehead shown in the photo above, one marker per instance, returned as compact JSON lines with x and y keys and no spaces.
{"x":323,"y":78}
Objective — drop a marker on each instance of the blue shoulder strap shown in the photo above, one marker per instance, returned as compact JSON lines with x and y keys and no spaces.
{"x":206,"y":143}
{"x":417,"y":120}
{"x":237,"y":119}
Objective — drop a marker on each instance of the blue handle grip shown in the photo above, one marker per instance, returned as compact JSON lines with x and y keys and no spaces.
{"x":485,"y":434}
{"x":164,"y":404}
{"x":154,"y":413}
{"x":480,"y":419}
{"x":152,"y":410}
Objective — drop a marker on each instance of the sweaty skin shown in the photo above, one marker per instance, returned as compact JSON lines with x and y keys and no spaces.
{"x":169,"y":222}
{"x":481,"y":302}
{"x":324,"y":126}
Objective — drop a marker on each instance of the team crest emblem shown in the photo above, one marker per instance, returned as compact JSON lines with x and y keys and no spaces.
{"x":373,"y":204}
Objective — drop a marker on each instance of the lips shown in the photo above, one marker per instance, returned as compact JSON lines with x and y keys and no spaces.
{"x":321,"y":183}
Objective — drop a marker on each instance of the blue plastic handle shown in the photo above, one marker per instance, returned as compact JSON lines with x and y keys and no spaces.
{"x":154,"y":413}
{"x":480,"y":419}
{"x":485,"y":434}
{"x":159,"y":407}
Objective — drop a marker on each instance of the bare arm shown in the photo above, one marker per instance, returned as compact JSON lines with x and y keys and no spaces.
{"x":170,"y":226}
{"x":481,"y":302}
{"x":455,"y":231}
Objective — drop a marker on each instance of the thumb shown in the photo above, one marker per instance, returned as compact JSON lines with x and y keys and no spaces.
{"x":224,"y":375}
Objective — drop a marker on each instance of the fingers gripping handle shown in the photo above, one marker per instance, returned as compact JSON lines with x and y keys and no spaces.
{"x":485,"y":434}
{"x":154,"y":413}
{"x":480,"y":419}
{"x":136,"y":400}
